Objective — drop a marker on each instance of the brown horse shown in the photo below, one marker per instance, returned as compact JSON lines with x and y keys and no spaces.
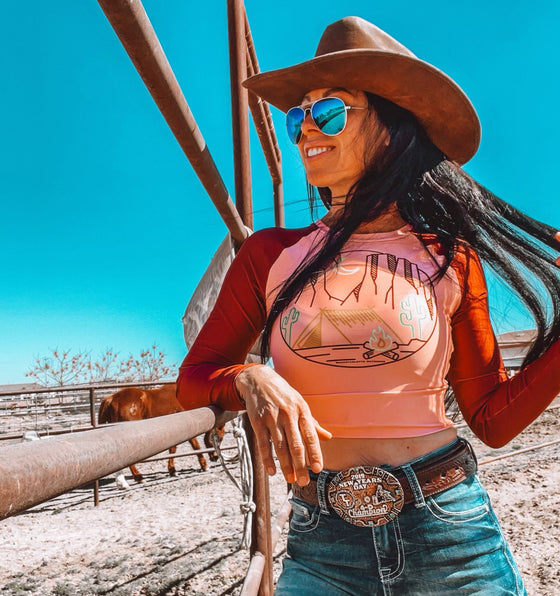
{"x":133,"y":403}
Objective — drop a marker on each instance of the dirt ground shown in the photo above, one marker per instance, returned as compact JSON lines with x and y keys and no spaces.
{"x":178,"y":536}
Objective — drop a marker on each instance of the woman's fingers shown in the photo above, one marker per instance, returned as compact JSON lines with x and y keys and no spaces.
{"x":296,"y":443}
{"x":280,"y":416}
{"x":262,"y":436}
{"x":282,"y":447}
{"x":309,"y":431}
{"x":297,"y":450}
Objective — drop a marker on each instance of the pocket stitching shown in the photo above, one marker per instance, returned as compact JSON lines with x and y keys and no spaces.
{"x":307,"y":525}
{"x":447,"y":516}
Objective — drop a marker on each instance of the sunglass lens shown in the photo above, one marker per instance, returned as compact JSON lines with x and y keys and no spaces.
{"x":330,"y":115}
{"x":294,"y":118}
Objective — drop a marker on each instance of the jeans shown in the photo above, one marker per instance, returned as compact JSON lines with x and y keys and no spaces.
{"x":447,"y":544}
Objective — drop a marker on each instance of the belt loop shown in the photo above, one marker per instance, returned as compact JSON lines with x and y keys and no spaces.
{"x":419,"y":501}
{"x":321,"y":492}
{"x":471,"y":451}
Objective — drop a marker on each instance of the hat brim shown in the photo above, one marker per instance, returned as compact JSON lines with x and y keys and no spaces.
{"x":438,"y":103}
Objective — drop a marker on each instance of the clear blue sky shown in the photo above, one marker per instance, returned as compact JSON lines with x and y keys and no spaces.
{"x":97,"y":248}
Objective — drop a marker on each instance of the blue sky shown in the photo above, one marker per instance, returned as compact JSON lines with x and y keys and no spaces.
{"x":98,"y":248}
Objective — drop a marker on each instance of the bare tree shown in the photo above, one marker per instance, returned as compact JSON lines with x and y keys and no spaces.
{"x":104,"y":369}
{"x":61,"y":368}
{"x":149,"y":366}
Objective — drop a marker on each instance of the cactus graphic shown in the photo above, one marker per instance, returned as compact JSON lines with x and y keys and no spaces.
{"x":413,"y":313}
{"x":287,"y":323}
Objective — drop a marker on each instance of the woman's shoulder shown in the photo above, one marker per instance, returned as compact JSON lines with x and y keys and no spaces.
{"x":463,"y":251}
{"x":273,"y":239}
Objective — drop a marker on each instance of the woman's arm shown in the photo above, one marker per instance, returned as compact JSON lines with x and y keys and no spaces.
{"x":213,"y":373}
{"x":497,"y":408}
{"x":207,"y":374}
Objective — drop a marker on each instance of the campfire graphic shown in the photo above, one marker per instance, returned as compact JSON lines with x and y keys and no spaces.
{"x":379,"y":341}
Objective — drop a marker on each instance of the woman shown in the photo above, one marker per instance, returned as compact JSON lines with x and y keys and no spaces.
{"x":367,"y":313}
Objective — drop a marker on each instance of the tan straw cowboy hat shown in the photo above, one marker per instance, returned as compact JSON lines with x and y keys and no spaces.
{"x":355,"y":54}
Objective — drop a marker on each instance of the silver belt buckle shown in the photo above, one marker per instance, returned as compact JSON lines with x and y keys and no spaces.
{"x":366,"y":496}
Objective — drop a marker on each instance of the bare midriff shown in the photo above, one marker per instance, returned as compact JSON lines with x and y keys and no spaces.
{"x":341,"y":453}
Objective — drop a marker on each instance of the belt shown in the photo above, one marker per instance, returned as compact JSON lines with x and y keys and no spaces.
{"x":434,"y":475}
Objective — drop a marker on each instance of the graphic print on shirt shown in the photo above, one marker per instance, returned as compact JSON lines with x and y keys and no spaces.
{"x":367,"y":309}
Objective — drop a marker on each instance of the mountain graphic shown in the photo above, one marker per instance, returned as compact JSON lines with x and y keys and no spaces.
{"x":367,"y":311}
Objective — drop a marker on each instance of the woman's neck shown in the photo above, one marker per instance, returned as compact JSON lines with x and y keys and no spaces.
{"x":387,"y":222}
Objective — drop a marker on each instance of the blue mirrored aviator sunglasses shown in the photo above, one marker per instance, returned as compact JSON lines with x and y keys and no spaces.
{"x":328,"y":114}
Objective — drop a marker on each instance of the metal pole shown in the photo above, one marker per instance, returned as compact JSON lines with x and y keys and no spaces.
{"x":92,"y":407}
{"x":265,"y":131}
{"x":265,"y":135}
{"x":240,"y":111}
{"x":278,"y":193}
{"x":131,"y":24}
{"x":31,"y":473}
{"x":240,"y":115}
{"x":94,"y":424}
{"x":261,"y":113}
{"x":261,"y":531}
{"x":254,"y":575}
{"x":257,"y":565}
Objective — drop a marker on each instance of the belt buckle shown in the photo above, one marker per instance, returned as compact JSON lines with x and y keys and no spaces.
{"x":366,"y":496}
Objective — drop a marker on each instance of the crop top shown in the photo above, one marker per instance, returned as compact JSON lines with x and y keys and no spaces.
{"x":371,"y":342}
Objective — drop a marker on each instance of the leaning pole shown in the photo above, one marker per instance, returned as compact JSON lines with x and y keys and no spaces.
{"x":33,"y":472}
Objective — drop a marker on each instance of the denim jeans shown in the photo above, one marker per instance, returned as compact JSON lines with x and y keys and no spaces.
{"x":447,"y":544}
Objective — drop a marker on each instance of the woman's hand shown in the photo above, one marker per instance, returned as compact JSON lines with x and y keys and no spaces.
{"x":279,"y":414}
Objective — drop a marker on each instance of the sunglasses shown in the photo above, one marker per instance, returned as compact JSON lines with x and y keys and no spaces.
{"x":328,"y":114}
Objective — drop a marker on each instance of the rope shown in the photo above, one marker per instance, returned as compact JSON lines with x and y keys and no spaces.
{"x":247,"y":505}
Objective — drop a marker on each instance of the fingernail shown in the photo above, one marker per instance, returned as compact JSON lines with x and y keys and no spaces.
{"x":271,"y":470}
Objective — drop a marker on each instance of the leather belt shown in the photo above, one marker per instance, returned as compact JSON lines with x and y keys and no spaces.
{"x":434,"y":475}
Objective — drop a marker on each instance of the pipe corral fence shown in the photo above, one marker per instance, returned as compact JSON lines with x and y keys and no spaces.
{"x":36,"y":471}
{"x":39,"y":470}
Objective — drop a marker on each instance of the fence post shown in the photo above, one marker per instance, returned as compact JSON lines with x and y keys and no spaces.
{"x":94,"y":424}
{"x":261,"y":530}
{"x":240,"y":110}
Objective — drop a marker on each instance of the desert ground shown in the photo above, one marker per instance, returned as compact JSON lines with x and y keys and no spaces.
{"x":178,"y":536}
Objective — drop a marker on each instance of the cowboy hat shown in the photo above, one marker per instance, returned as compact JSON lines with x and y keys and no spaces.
{"x":355,"y":54}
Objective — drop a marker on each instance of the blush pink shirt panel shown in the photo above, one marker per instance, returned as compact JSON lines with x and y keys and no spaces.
{"x":368,"y":344}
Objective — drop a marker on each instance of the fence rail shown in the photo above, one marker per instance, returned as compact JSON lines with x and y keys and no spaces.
{"x":49,"y":468}
{"x":56,"y":410}
{"x":47,"y":472}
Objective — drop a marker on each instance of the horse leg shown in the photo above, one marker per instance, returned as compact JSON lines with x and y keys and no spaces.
{"x":201,"y":459}
{"x":120,"y":480}
{"x":136,"y":474}
{"x":171,"y":462}
{"x":220,"y":432}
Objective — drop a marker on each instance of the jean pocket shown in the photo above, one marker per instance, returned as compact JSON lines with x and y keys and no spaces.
{"x":463,"y":503}
{"x":305,"y":516}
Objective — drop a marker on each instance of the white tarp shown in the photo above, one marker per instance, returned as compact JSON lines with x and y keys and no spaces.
{"x":205,"y":295}
{"x":206,"y":292}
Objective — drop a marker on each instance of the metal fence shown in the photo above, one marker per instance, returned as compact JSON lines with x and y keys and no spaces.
{"x":36,"y":471}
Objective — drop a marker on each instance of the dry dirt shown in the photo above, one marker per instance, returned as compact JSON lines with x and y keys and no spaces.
{"x":177,"y":536}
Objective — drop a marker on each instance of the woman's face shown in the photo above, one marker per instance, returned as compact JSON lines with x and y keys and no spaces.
{"x":335,"y":161}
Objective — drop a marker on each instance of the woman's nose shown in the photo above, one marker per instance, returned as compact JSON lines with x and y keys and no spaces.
{"x":308,"y":124}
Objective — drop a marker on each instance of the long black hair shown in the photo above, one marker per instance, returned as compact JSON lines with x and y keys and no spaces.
{"x":437,"y":197}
